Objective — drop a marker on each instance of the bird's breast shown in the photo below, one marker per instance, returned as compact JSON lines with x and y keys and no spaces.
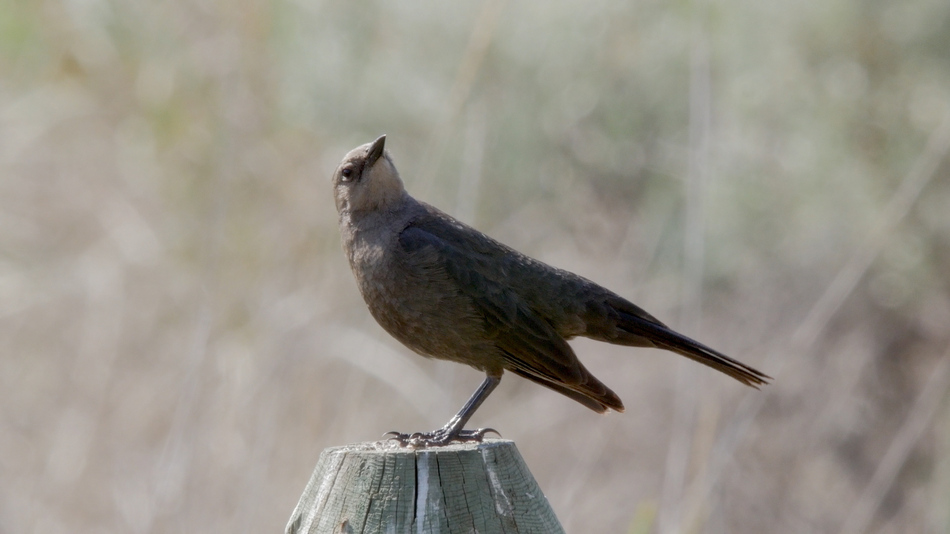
{"x":421,"y":308}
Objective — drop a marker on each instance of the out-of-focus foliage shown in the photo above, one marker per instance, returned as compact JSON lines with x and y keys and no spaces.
{"x":181,"y":334}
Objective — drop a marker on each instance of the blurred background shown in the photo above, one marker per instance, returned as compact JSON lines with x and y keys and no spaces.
{"x":181,"y":335}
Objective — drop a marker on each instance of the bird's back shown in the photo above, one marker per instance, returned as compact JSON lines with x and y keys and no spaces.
{"x":571,"y":304}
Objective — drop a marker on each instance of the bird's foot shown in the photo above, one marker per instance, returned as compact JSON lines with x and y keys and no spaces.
{"x":439,"y":438}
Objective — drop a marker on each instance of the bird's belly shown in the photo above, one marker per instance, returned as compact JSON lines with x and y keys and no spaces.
{"x":430,"y":318}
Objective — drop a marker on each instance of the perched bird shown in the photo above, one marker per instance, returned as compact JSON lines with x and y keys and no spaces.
{"x":448,"y":291}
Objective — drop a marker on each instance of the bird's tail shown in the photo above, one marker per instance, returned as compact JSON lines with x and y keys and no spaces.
{"x":659,"y":335}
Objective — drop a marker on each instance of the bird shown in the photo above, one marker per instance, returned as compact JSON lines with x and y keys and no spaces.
{"x":447,"y":291}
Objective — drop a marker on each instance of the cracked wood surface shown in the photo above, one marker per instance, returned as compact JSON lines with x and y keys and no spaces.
{"x":379,"y":487}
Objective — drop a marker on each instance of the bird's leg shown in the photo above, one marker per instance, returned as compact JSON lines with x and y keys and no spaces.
{"x":453,"y":430}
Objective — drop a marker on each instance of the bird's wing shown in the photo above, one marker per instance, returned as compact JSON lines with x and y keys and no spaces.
{"x":477,"y":264}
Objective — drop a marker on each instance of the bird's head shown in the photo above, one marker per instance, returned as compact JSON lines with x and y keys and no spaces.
{"x":367,"y":180}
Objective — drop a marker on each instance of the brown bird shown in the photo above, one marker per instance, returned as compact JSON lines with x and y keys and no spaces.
{"x":448,"y":291}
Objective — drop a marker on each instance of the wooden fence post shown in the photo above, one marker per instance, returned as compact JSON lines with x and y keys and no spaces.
{"x":380,"y":487}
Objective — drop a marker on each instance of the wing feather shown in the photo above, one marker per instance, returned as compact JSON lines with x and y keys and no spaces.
{"x":528,"y":342}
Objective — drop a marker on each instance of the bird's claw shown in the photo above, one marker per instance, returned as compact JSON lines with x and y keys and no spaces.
{"x":439,"y":438}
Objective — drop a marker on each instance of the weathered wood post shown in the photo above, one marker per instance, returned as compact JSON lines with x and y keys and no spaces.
{"x":460,"y":488}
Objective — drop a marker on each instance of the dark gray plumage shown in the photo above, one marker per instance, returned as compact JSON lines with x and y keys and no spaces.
{"x":447,"y":291}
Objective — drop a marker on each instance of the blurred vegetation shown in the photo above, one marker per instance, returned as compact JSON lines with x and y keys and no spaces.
{"x":182,"y":335}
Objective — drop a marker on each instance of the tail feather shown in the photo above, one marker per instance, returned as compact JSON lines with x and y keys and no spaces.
{"x":665,"y":338}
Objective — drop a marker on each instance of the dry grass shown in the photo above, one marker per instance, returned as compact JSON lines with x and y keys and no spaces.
{"x":182,"y":336}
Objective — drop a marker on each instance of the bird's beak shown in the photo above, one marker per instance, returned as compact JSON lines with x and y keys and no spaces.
{"x":376,"y":150}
